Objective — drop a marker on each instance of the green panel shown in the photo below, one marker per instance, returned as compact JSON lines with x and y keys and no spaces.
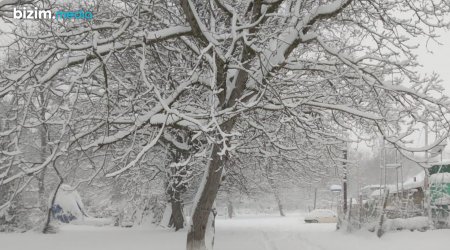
{"x":439,"y":169}
{"x":439,"y":190}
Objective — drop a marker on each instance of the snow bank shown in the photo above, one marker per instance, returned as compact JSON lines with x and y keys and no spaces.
{"x":414,"y":223}
{"x":90,"y":221}
{"x":319,"y":213}
{"x":240,"y":233}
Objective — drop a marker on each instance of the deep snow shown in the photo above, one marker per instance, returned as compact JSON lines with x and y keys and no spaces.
{"x":241,"y":233}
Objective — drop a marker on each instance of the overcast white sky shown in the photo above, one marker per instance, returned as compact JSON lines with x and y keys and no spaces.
{"x":438,"y":60}
{"x":435,"y":57}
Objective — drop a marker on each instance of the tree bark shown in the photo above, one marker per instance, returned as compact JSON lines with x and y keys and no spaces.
{"x":280,"y":205}
{"x":204,"y":201}
{"x":268,"y":169}
{"x":211,"y":229}
{"x":380,"y":230}
{"x":42,"y":152}
{"x":47,"y":226}
{"x":178,"y":173}
{"x":230,"y":208}
{"x":177,"y":217}
{"x":175,"y":186}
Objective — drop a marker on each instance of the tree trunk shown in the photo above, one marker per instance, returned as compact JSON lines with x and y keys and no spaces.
{"x":41,"y":191}
{"x":268,"y":169}
{"x":175,"y":186}
{"x":204,"y":201}
{"x":280,"y":206}
{"x":315,"y":197}
{"x":42,"y":153}
{"x":211,"y":229}
{"x":47,"y":226}
{"x":177,"y":217}
{"x":230,"y":209}
{"x":380,"y":230}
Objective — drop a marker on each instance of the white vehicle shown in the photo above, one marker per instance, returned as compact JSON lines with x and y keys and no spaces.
{"x":321,"y":216}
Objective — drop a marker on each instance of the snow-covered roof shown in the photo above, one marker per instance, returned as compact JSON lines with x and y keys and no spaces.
{"x":443,"y":162}
{"x":415,"y":181}
{"x":374,"y":186}
{"x":368,"y":190}
{"x":335,"y":187}
{"x":380,"y":191}
{"x":394,"y":188}
{"x":440,"y":178}
{"x":377,"y":192}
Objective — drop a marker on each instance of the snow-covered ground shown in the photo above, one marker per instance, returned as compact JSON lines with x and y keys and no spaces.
{"x":241,"y":233}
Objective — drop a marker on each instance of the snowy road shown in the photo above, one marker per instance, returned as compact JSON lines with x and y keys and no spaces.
{"x":242,"y":233}
{"x":270,"y":233}
{"x":291,"y":233}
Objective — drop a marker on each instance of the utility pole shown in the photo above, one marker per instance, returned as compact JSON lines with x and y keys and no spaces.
{"x":345,"y":181}
{"x":315,"y":197}
{"x":427,"y":199}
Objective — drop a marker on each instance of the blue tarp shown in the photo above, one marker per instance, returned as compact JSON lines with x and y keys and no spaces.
{"x":59,"y":214}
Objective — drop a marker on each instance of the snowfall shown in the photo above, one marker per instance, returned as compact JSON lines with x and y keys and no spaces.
{"x":249,"y":232}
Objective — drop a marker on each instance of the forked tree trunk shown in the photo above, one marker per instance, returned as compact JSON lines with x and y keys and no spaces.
{"x":204,"y":201}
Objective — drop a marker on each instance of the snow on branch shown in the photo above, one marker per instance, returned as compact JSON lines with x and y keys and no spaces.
{"x":139,"y":156}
